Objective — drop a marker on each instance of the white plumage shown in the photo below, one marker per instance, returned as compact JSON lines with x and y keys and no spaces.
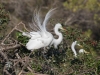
{"x":56,"y":42}
{"x":73,"y":48}
{"x":80,"y":50}
{"x":43,"y":38}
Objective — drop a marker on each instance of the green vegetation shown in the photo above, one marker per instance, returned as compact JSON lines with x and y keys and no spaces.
{"x":4,"y":16}
{"x":21,"y":38}
{"x":75,"y":5}
{"x":4,"y":19}
{"x":61,"y":61}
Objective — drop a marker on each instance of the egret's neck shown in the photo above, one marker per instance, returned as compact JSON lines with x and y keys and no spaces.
{"x":73,"y":48}
{"x":56,"y":29}
{"x":60,"y":37}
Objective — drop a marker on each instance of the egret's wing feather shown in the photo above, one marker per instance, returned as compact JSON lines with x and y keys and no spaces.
{"x":34,"y":44}
{"x":35,"y":28}
{"x":35,"y":35}
{"x":47,"y":17}
{"x":37,"y":21}
{"x":38,"y":25}
{"x":26,"y":34}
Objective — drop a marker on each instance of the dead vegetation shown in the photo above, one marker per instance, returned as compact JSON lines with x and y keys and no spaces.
{"x":15,"y":59}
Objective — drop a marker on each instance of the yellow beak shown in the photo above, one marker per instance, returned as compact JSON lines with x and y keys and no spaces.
{"x":63,"y":29}
{"x":86,"y":52}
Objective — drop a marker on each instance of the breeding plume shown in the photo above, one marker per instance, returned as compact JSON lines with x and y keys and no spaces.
{"x":41,"y":37}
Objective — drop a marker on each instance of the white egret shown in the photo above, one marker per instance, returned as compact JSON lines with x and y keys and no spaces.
{"x":73,"y":48}
{"x":80,"y":50}
{"x":43,"y":38}
{"x":56,"y":42}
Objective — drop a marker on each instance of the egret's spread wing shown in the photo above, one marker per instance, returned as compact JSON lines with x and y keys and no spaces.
{"x":34,"y":44}
{"x":26,"y":34}
{"x":47,"y":17}
{"x":32,"y":35}
{"x":37,"y":22}
{"x":35,"y":35}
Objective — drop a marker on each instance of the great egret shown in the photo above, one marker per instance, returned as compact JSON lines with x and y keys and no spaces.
{"x":43,"y":38}
{"x":80,"y":50}
{"x":73,"y":48}
{"x":56,"y":42}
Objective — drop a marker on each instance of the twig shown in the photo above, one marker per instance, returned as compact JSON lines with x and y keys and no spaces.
{"x":7,"y":72}
{"x":10,"y":47}
{"x":24,"y":26}
{"x":20,"y":72}
{"x":8,"y":34}
{"x":24,"y":63}
{"x":4,"y":55}
{"x":15,"y":28}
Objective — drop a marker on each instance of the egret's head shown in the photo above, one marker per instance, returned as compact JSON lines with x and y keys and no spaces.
{"x":83,"y":51}
{"x":60,"y":26}
{"x":63,"y":29}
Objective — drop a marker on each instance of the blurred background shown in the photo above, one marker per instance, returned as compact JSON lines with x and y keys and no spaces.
{"x":84,"y":14}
